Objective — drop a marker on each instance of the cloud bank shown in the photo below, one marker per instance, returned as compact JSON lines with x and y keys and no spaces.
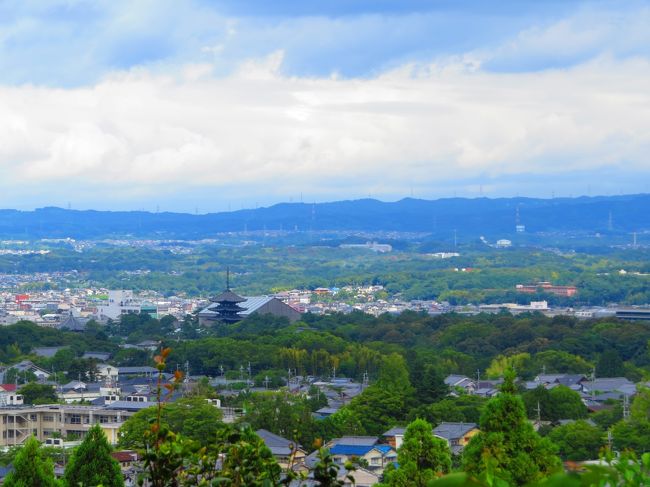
{"x":190,"y":134}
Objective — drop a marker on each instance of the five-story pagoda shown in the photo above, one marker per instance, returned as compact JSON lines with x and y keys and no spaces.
{"x":227,"y":304}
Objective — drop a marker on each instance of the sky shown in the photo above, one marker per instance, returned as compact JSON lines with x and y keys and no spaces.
{"x":200,"y":106}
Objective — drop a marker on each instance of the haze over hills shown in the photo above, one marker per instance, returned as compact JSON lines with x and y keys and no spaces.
{"x":484,"y":216}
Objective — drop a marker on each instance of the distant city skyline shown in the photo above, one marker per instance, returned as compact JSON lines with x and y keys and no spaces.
{"x":210,"y":105}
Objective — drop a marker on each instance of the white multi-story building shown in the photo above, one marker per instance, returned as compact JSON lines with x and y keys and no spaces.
{"x":119,"y":303}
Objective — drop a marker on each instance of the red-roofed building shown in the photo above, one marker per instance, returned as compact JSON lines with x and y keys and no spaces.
{"x":8,"y":387}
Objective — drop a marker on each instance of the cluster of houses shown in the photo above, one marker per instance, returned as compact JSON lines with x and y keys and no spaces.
{"x":594,"y":391}
{"x":116,"y":393}
{"x":370,"y":454}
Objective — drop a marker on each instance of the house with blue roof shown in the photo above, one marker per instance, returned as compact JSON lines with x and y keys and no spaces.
{"x":376,"y":456}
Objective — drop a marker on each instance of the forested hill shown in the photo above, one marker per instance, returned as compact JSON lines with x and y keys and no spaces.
{"x":479,"y":216}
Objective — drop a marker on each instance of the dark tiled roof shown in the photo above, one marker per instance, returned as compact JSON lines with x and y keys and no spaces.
{"x":451,"y":431}
{"x":277,"y":444}
{"x":228,"y":296}
{"x":73,"y":323}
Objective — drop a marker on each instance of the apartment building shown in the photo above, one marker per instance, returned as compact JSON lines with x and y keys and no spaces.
{"x":19,"y":423}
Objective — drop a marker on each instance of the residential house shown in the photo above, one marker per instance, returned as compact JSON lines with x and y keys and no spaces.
{"x":28,"y":366}
{"x":377,"y":456}
{"x":460,"y":382}
{"x":595,"y":392}
{"x":365,"y":448}
{"x":361,"y":477}
{"x":394,"y":436}
{"x":285,"y":451}
{"x":457,"y":435}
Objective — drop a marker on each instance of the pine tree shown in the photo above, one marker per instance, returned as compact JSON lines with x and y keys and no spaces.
{"x":507,"y":444}
{"x":92,"y":464}
{"x":31,"y":468}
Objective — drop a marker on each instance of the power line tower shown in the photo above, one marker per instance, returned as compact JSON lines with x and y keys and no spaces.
{"x":626,"y":407}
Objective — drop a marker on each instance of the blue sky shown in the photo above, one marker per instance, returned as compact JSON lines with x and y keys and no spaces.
{"x":217,"y":104}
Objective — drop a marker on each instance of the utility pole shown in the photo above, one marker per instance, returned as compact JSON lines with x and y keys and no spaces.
{"x":609,"y":440}
{"x":626,"y":407}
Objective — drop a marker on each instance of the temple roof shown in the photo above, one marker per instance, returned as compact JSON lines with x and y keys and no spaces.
{"x":228,"y":296}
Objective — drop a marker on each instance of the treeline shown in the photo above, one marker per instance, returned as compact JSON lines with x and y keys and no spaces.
{"x":353,"y":344}
{"x":491,"y":276}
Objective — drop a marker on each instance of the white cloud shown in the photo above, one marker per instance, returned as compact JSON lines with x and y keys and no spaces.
{"x":258,"y":127}
{"x":260,"y":130}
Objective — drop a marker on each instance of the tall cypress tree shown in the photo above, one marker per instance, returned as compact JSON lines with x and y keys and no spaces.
{"x":421,"y":457}
{"x":92,"y":464}
{"x":31,"y":467}
{"x":507,"y":443}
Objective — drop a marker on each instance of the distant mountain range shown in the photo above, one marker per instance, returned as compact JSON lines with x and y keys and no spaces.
{"x":479,"y":216}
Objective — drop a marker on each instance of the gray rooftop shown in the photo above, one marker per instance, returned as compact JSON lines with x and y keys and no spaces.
{"x":277,"y":444}
{"x":450,"y":431}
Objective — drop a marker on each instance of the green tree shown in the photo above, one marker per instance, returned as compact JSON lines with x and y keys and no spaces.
{"x":610,"y":364}
{"x":429,"y":384}
{"x":285,"y":415}
{"x":31,"y":467}
{"x":607,"y":417}
{"x":326,"y":471}
{"x":421,"y":457}
{"x":194,"y":418}
{"x":567,"y":404}
{"x":632,"y":435}
{"x":508,"y":442}
{"x":92,"y":464}
{"x":554,"y":404}
{"x":640,"y":408}
{"x":502,"y":363}
{"x":15,"y":376}
{"x":577,"y":441}
{"x":342,"y":422}
{"x":34,"y":393}
{"x":462,"y":409}
{"x":388,"y":400}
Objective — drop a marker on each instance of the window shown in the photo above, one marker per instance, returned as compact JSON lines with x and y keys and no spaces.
{"x":32,"y":417}
{"x":48,"y":418}
{"x":75,"y":419}
{"x":375,"y":461}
